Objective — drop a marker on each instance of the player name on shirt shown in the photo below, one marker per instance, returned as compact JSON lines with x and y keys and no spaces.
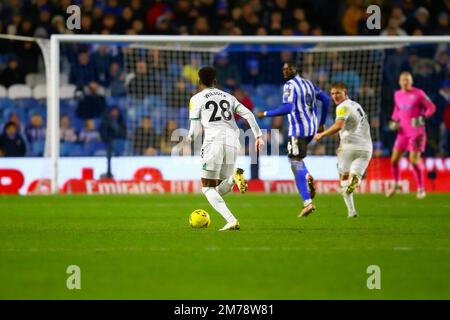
{"x":214,"y":93}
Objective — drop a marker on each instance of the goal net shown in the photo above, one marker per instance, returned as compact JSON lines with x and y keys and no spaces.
{"x":150,"y":85}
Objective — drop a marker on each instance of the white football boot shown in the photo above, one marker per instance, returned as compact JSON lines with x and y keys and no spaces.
{"x":234,"y":225}
{"x":352,"y":215}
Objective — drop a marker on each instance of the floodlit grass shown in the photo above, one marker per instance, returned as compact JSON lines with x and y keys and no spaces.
{"x":142,"y":247}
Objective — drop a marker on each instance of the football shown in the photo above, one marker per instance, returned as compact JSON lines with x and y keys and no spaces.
{"x":199,"y":219}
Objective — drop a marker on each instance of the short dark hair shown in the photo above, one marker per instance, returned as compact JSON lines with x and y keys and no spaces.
{"x":10,"y":124}
{"x":293,"y":65}
{"x":207,"y":75}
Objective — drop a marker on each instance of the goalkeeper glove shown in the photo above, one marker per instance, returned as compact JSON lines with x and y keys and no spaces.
{"x":393,"y":125}
{"x":417,"y":122}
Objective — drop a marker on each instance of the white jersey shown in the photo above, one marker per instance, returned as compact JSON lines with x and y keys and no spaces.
{"x":356,"y":132}
{"x":216,"y":108}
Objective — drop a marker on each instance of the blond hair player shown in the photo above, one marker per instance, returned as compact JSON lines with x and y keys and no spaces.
{"x":355,"y":148}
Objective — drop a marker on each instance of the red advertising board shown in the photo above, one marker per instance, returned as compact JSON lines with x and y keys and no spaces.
{"x":149,"y":180}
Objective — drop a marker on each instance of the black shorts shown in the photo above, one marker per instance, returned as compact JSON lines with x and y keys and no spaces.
{"x":298,"y":146}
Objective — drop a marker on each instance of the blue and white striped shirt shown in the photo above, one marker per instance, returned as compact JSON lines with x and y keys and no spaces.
{"x":303,"y":119}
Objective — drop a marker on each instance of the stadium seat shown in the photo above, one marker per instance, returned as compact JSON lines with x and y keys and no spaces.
{"x":77,"y":123}
{"x":70,"y":149}
{"x":40,"y":92}
{"x":111,"y":101}
{"x":159,"y":116}
{"x":63,"y":79}
{"x":265,"y":123}
{"x":34,"y":79}
{"x":100,"y":153}
{"x":120,"y":102}
{"x":183,"y":118}
{"x":119,"y":147}
{"x":41,"y":79}
{"x":174,"y":70}
{"x":26,"y":103}
{"x":273,"y":100}
{"x":94,"y":148}
{"x":264,"y":90}
{"x":65,"y":109}
{"x":18,"y":91}
{"x":30,"y":79}
{"x":259,"y":102}
{"x":249,"y":88}
{"x":37,"y":148}
{"x":7,"y":112}
{"x":3,"y":92}
{"x":69,"y":104}
{"x":132,"y":115}
{"x":155,"y":101}
{"x":67,"y":91}
{"x":6,"y":103}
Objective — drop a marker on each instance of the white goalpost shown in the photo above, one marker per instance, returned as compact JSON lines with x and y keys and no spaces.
{"x":328,"y":44}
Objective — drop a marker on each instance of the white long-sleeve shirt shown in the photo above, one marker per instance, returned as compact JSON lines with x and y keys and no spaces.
{"x":215,"y":110}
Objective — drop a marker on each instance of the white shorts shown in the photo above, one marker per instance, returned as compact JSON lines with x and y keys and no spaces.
{"x":353,"y":161}
{"x":218,"y":161}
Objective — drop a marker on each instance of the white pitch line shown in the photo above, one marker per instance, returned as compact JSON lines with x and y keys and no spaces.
{"x":403,"y":249}
{"x":212,"y":249}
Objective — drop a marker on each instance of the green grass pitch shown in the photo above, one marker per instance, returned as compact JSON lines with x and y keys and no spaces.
{"x":141,"y":247}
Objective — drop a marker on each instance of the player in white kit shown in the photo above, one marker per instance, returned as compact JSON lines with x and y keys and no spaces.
{"x":214,"y":110}
{"x":355,"y":148}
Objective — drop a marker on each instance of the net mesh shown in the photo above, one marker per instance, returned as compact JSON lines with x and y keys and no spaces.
{"x":159,"y":82}
{"x":133,"y":97}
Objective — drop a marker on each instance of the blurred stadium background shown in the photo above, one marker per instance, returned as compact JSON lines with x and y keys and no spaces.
{"x":135,"y":96}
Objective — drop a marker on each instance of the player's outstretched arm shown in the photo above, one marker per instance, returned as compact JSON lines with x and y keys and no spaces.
{"x":336,"y":127}
{"x":250,"y":118}
{"x":282,"y":110}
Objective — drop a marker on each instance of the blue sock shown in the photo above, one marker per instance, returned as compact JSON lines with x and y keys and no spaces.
{"x":300,"y":172}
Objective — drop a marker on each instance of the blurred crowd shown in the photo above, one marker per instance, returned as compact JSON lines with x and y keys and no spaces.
{"x":42,"y":18}
{"x":105,"y":78}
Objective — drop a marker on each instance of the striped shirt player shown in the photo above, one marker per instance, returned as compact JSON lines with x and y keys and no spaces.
{"x":301,"y":94}
{"x":300,"y":97}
